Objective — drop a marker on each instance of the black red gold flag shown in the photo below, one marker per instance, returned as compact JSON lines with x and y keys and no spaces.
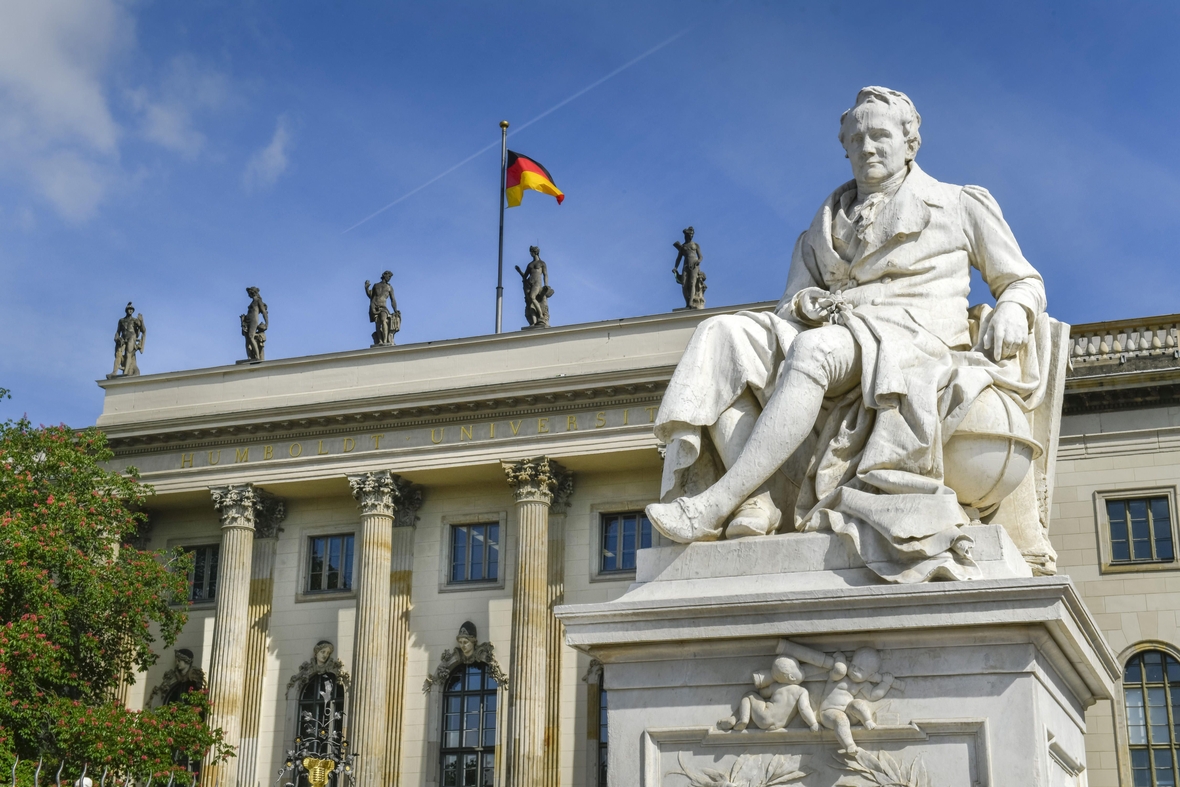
{"x":524,"y":173}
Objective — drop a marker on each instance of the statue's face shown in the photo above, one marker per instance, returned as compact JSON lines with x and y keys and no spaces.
{"x":688,"y":234}
{"x":875,"y":143}
{"x":466,"y":645}
{"x":183,"y":664}
{"x":323,"y":653}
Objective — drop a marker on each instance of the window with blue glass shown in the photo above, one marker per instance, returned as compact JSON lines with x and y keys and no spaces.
{"x":330,"y":564}
{"x":469,"y":728}
{"x":622,"y":535}
{"x":202,"y":583}
{"x":1140,"y":530}
{"x":475,"y":553}
{"x":1151,"y":688}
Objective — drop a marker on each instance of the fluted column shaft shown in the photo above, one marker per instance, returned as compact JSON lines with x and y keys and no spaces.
{"x":227,"y":668}
{"x":556,"y":638}
{"x":534,"y":481}
{"x":400,"y":582}
{"x":261,"y":597}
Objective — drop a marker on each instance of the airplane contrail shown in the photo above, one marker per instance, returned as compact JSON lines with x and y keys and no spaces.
{"x":523,"y":126}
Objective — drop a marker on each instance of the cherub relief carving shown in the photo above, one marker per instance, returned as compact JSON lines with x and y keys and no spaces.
{"x":852,"y":686}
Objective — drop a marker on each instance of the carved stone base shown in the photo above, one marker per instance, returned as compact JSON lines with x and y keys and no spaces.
{"x":974,"y":683}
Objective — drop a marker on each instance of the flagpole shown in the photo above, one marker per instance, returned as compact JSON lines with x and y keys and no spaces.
{"x":503,"y":199}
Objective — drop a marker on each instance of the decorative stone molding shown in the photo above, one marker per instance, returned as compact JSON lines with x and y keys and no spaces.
{"x":322,"y":662}
{"x":1121,"y":341}
{"x":245,"y":506}
{"x":593,"y":672}
{"x":536,"y":480}
{"x":563,"y":493}
{"x":388,"y":494}
{"x":468,"y":651}
{"x":183,"y":672}
{"x":409,"y":501}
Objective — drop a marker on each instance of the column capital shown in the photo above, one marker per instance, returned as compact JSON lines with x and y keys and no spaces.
{"x":383,"y":492}
{"x":539,"y":480}
{"x":245,"y":506}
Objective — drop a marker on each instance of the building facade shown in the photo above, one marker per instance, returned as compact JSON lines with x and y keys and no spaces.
{"x":391,"y":528}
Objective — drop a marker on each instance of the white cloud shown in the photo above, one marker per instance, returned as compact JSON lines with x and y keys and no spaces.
{"x":167,"y":115}
{"x":266,"y":166}
{"x":57,"y":129}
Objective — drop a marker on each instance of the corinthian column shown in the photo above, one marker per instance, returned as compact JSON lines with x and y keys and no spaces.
{"x":269,"y":512}
{"x":534,"y":481}
{"x":227,"y":669}
{"x":377,"y":494}
{"x":557,"y":511}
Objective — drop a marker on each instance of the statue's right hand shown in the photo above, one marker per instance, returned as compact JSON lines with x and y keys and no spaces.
{"x":814,"y":304}
{"x":367,"y":284}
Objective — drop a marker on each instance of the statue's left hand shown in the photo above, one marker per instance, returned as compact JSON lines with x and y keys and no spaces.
{"x":1007,"y":331}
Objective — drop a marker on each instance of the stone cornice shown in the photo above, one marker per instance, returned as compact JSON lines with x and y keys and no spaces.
{"x":359,"y":416}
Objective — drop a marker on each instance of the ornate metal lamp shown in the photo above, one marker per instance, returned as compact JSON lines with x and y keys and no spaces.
{"x":321,"y":751}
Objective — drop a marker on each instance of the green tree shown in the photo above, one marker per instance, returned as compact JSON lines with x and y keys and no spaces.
{"x":78,"y":607}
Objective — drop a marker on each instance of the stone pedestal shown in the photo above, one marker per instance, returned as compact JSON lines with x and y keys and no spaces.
{"x":975,"y":683}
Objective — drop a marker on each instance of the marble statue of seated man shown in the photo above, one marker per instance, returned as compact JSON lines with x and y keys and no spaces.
{"x":832,"y":410}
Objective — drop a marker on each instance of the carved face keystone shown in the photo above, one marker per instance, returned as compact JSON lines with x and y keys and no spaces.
{"x":466,"y":646}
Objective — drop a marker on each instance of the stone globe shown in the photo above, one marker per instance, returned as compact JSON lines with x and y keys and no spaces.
{"x":990,"y":453}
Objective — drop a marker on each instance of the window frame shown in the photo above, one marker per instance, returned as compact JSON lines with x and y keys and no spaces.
{"x":1122,"y":725}
{"x":445,"y":585}
{"x":1105,"y":548}
{"x":305,"y":535}
{"x":193,"y":543}
{"x":598,"y":513}
{"x":349,"y":572}
{"x":483,"y":693}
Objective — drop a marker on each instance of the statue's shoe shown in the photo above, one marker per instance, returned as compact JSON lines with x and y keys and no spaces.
{"x":757,"y":516}
{"x":684,"y":521}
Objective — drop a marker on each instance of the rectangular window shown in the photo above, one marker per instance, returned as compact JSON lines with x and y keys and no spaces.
{"x":202,"y":584}
{"x":330,"y":563}
{"x":1140,"y":530}
{"x":475,"y":553}
{"x":622,"y":535}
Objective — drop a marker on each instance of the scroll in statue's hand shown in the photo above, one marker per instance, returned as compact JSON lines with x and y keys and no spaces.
{"x":1007,"y":331}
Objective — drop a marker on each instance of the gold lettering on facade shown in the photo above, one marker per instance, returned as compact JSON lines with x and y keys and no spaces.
{"x":651,"y":414}
{"x":186,"y":460}
{"x":493,"y":425}
{"x":295,"y":449}
{"x":268,"y":452}
{"x":571,"y":423}
{"x":377,"y":441}
{"x":242,"y":454}
{"x":464,"y":431}
{"x":626,"y":417}
{"x":542,"y":426}
{"x":213,"y":461}
{"x":515,"y":426}
{"x":321,"y":451}
{"x":439,"y":439}
{"x":599,"y":420}
{"x":349,"y":444}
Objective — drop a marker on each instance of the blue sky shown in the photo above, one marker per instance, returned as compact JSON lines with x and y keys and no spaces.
{"x":174,"y":153}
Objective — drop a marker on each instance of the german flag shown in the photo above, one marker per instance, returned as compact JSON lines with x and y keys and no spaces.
{"x":524,"y":173}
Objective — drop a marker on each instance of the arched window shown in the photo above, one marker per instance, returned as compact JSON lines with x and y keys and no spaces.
{"x":1151,"y":687}
{"x":469,"y":727}
{"x":316,"y":699}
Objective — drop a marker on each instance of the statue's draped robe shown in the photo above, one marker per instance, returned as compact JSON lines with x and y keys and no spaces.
{"x":872,"y":469}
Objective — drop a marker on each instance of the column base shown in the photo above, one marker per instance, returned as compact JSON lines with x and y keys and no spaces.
{"x":991,"y":678}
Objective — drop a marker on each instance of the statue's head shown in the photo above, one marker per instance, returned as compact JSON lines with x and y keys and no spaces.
{"x":184,"y":660}
{"x":323,"y":651}
{"x":786,"y":670}
{"x":466,"y":639}
{"x":252,"y":292}
{"x":866,"y":662}
{"x":688,"y":233}
{"x":385,"y":277}
{"x":130,"y":309}
{"x":535,"y":251}
{"x":880,"y":134}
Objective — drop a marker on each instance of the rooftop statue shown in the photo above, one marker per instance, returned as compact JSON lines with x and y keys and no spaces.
{"x":387,"y":322}
{"x":129,"y":336}
{"x":537,"y":291}
{"x":254,"y":324}
{"x":692,"y":278}
{"x":869,"y":401}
